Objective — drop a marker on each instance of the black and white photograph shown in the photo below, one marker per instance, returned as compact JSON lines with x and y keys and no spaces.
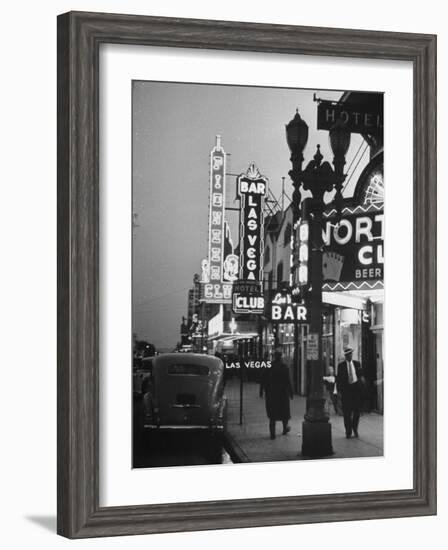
{"x":201,"y":343}
{"x":257,"y":274}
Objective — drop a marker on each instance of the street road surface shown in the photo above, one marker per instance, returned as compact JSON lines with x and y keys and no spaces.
{"x":178,"y":449}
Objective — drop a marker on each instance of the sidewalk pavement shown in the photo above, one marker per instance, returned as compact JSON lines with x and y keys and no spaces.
{"x":250,"y":442}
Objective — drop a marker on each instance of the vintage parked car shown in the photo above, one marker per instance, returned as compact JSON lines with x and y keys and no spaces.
{"x":186,"y":393}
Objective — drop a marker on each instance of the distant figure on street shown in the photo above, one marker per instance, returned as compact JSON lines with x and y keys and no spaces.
{"x":350,"y":384}
{"x":330,"y":383}
{"x":277,"y":387}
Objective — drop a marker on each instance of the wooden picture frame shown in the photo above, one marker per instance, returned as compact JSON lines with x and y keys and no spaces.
{"x":79,"y":38}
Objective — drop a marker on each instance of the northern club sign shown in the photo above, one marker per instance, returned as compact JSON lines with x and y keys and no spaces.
{"x":252,"y":189}
{"x":354,"y":247}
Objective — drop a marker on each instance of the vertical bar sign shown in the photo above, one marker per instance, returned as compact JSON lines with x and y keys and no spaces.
{"x":252,"y":189}
{"x":216,"y":221}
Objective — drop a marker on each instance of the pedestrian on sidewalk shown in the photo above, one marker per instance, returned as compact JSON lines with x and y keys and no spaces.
{"x":330,"y":387}
{"x":350,"y":384}
{"x":276,"y":384}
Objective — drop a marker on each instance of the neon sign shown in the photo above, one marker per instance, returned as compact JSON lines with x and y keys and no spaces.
{"x":354,"y":247}
{"x":252,"y":189}
{"x":300,"y":272}
{"x":288,"y":313}
{"x":247,"y":294}
{"x":216,"y":217}
{"x":283,"y":309}
{"x":219,"y":293}
{"x":218,"y":274}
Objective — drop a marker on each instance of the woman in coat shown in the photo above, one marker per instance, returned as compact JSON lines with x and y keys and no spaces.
{"x":277,"y":387}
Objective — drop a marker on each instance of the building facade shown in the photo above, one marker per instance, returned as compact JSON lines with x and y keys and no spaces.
{"x":353,"y":269}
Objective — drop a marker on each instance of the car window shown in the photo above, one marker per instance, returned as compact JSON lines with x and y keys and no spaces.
{"x":189,"y":369}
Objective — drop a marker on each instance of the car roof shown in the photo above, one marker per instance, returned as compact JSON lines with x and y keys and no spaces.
{"x":187,"y":359}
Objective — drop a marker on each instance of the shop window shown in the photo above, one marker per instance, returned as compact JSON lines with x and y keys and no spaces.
{"x":349,"y":328}
{"x":328,"y":340}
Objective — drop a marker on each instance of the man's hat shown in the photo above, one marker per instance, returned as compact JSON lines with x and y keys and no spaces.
{"x":348,"y":350}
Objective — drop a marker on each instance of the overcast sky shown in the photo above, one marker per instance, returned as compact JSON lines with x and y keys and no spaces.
{"x":174,"y":129}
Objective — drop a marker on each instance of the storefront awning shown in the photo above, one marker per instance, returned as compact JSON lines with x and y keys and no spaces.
{"x":344,"y":299}
{"x":355,"y":299}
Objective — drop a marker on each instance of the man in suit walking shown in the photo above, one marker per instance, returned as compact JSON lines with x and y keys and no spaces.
{"x":349,"y":383}
{"x":276,"y":384}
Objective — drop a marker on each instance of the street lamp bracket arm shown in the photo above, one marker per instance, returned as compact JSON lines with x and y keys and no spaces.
{"x":319,"y":177}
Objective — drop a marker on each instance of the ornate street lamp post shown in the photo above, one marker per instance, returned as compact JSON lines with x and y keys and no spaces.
{"x":297,"y":137}
{"x":318,"y":178}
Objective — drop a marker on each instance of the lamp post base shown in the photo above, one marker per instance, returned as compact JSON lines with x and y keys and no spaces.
{"x":316,"y":439}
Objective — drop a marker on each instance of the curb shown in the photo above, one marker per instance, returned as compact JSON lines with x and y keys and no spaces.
{"x":236,"y":452}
